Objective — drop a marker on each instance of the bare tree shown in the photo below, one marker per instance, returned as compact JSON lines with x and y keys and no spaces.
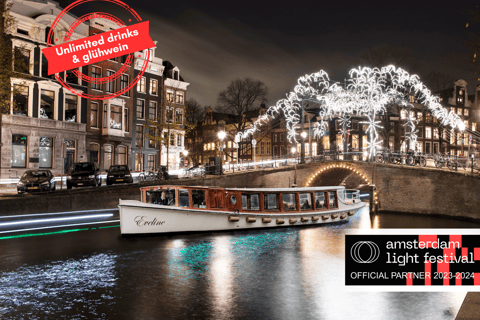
{"x":472,"y":40}
{"x":194,"y":114}
{"x":239,"y":98}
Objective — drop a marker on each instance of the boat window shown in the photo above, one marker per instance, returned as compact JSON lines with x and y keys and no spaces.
{"x":183,"y":198}
{"x":289,"y":202}
{"x":341,"y":195}
{"x":250,"y":201}
{"x":198,"y":198}
{"x":271,"y":201}
{"x":167,"y":197}
{"x":305,"y":201}
{"x":164,"y":197}
{"x":331,"y":199}
{"x":320,"y":200}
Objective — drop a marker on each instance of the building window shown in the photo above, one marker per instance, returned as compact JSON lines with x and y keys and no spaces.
{"x":150,"y":161}
{"x":122,"y":155}
{"x":139,"y":136}
{"x":94,"y":150}
{"x":94,"y":115}
{"x":141,"y":85}
{"x":391,"y":143}
{"x":178,"y":116}
{"x":125,"y":117}
{"x":274,"y":138}
{"x":427,"y":147}
{"x":19,"y":151}
{"x":96,"y":74}
{"x":108,"y":156}
{"x":105,"y":115}
{"x":20,"y":100}
{"x":71,"y":107}
{"x":172,"y":139}
{"x":110,"y":84}
{"x":428,"y":132}
{"x":435,"y":133}
{"x":169,"y":115}
{"x":365,"y":142}
{"x":140,"y":108}
{"x":465,"y":112}
{"x":124,"y":84}
{"x":339,"y":142}
{"x":267,"y":150}
{"x":22,"y":60}
{"x":153,"y":87}
{"x":179,"y":140}
{"x":115,"y":117}
{"x":355,"y":141}
{"x":71,"y":77}
{"x":169,"y":96}
{"x":179,"y":97}
{"x":47,"y":104}
{"x":152,"y":110}
{"x":403,"y":115}
{"x":419,"y":116}
{"x":459,"y":111}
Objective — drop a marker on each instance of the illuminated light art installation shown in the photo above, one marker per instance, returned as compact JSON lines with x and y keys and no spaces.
{"x":368,"y":93}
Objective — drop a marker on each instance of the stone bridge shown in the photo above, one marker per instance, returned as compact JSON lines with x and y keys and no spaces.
{"x":400,"y":188}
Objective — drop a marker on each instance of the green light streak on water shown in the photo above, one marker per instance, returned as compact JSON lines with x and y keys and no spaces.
{"x":41,"y":234}
{"x":53,"y":232}
{"x":117,"y":226}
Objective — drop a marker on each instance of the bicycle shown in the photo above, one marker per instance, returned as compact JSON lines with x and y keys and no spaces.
{"x":144,"y":176}
{"x":440,"y":162}
{"x":414,"y":158}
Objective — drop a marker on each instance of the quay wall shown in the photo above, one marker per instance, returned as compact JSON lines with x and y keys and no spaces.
{"x":401,"y":189}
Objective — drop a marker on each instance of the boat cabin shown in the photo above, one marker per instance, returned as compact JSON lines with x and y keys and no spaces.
{"x":284,"y":200}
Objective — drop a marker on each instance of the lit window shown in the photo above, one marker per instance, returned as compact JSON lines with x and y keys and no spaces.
{"x":428,"y":132}
{"x":141,"y":85}
{"x":153,"y":87}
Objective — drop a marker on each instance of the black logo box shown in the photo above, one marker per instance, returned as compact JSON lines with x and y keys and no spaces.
{"x":361,"y":270}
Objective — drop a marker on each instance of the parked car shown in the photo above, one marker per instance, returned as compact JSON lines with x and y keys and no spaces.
{"x":119,"y":174}
{"x":36,"y":180}
{"x":83,"y":174}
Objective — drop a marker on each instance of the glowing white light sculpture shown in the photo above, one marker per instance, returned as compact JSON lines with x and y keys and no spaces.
{"x":368,"y":93}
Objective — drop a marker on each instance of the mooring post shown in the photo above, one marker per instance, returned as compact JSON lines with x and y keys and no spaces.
{"x":372,"y":199}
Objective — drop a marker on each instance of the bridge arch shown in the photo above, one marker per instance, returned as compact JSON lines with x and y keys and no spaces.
{"x":337,"y":174}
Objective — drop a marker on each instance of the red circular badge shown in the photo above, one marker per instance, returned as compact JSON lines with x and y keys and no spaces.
{"x":87,"y":78}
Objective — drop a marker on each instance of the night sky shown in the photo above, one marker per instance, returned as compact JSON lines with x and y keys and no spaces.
{"x":214,"y":42}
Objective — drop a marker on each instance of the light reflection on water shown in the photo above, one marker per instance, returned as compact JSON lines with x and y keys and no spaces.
{"x":287,"y":273}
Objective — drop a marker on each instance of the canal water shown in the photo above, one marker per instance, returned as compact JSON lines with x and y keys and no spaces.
{"x":286,"y":273}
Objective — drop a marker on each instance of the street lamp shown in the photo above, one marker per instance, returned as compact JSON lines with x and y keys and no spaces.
{"x":302,"y":156}
{"x":295,"y":179}
{"x":185,"y":153}
{"x":254,"y":144}
{"x":221,"y":136}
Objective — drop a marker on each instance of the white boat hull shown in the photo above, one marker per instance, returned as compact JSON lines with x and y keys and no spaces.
{"x":142,"y":218}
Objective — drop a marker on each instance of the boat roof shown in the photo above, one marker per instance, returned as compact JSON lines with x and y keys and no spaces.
{"x":287,"y":189}
{"x":258,"y":189}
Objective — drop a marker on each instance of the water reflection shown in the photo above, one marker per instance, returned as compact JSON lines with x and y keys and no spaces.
{"x":54,"y":287}
{"x":278,"y":274}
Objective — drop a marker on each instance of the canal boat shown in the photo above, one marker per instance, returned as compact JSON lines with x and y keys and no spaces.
{"x":169,"y":209}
